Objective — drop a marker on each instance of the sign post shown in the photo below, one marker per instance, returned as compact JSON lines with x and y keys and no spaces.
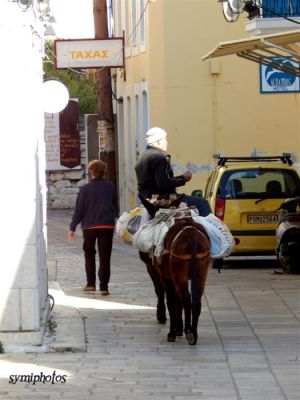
{"x":102,"y":54}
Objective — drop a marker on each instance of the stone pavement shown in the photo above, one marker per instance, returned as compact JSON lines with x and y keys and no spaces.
{"x":112,"y":347}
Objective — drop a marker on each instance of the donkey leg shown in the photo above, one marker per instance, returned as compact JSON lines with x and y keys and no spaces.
{"x":187,"y":311}
{"x":196,"y":311}
{"x":160,"y":293}
{"x":182,"y":284}
{"x":161,"y":307}
{"x":179,"y":310}
{"x":185,"y":304}
{"x":171,"y":304}
{"x":196,"y":305}
{"x":197,"y":293}
{"x":158,"y":287}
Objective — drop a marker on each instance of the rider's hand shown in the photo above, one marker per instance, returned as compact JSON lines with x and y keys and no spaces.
{"x":187,"y":176}
{"x":70,"y":235}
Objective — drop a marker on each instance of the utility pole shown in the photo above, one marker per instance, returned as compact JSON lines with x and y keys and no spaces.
{"x":107,"y":142}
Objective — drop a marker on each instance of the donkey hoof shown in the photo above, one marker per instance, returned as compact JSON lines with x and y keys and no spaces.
{"x":191,"y":338}
{"x":161,"y":320}
{"x":171,"y":336}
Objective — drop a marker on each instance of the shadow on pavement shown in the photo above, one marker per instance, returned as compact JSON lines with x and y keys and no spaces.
{"x":252,"y":263}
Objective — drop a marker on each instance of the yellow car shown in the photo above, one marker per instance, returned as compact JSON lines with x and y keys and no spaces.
{"x":245,"y":193}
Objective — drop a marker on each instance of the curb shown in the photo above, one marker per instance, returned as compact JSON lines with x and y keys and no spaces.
{"x":68,"y":326}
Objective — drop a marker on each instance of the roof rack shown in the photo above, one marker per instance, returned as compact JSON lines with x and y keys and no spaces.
{"x":285,"y":158}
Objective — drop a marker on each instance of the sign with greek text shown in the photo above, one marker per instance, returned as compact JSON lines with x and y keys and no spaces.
{"x":89,"y":53}
{"x":69,"y":138}
{"x":275,"y":81}
{"x":62,"y":139}
{"x":51,"y":135}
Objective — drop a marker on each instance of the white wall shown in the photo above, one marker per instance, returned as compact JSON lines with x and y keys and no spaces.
{"x":23,"y":285}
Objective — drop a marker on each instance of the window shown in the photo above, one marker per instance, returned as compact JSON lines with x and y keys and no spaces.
{"x":259,"y":183}
{"x":137,"y":127}
{"x":119,"y":29}
{"x":144,"y":116}
{"x":121,"y":154}
{"x":129,"y":144}
{"x":127,"y":23}
{"x":133,"y":23}
{"x":110,"y":19}
{"x":142,"y":22}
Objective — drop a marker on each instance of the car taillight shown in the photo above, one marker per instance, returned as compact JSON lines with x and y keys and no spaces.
{"x":220,"y":208}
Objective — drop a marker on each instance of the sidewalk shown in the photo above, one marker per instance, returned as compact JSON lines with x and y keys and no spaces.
{"x":112,"y":347}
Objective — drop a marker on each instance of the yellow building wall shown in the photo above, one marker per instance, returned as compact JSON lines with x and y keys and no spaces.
{"x":208,"y":107}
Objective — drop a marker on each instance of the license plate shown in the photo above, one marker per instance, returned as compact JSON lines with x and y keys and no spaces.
{"x":262,"y":219}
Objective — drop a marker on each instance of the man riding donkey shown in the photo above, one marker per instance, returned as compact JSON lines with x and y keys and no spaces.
{"x":155,"y":175}
{"x":156,"y":178}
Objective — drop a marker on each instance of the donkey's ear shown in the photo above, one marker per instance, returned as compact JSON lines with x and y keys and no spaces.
{"x":151,"y":208}
{"x":175,"y":203}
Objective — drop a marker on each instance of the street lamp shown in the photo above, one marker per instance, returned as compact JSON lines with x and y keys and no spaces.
{"x":55,"y":96}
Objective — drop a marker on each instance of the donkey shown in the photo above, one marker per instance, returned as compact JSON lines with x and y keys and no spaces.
{"x":186,"y":256}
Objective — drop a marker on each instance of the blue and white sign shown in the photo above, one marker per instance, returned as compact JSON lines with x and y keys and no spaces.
{"x":274,"y":81}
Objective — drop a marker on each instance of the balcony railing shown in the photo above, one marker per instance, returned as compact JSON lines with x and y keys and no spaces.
{"x":280,"y":8}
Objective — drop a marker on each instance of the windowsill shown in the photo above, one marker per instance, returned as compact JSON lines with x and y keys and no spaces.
{"x":142,"y":48}
{"x":128,"y":52}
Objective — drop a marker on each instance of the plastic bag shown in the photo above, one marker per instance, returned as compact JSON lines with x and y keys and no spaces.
{"x":151,"y":235}
{"x":221,"y":239}
{"x":129,"y":223}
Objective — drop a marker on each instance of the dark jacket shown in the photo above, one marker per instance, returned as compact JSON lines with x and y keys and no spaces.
{"x":95,"y":205}
{"x":155,"y":175}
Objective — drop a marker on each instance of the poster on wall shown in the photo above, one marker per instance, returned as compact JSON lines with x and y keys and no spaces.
{"x":62,"y":139}
{"x":275,"y":81}
{"x":69,"y":138}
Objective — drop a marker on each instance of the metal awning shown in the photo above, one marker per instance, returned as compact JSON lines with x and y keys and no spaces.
{"x":271,"y":50}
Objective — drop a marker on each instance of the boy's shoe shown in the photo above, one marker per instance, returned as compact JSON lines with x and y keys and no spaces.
{"x":104,"y":292}
{"x":89,"y":288}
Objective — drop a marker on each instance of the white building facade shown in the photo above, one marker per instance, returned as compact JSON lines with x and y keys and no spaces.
{"x":24,"y":302}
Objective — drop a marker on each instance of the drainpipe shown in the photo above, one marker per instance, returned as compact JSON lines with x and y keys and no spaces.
{"x":215,"y":71}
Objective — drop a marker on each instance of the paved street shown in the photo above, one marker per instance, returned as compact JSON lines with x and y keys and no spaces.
{"x":112,"y":347}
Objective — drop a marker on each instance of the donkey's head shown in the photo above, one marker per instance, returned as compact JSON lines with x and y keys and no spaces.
{"x":152,"y":208}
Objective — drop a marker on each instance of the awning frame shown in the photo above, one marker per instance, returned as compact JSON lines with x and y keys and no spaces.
{"x":265,"y":50}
